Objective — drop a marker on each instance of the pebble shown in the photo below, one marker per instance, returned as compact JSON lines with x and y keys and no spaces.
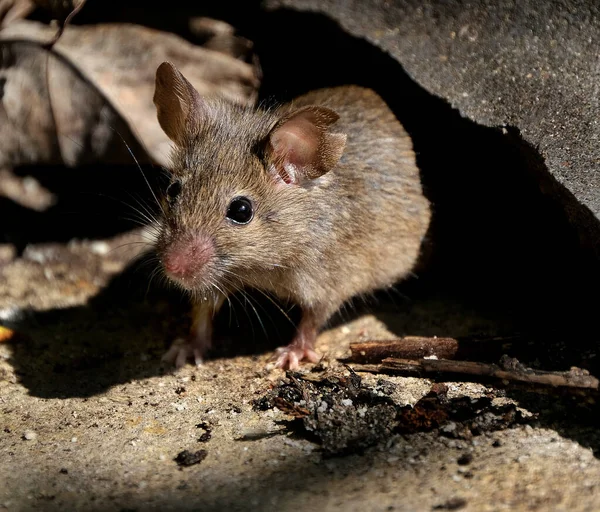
{"x":449,"y":427}
{"x":29,"y":435}
{"x":322,"y":407}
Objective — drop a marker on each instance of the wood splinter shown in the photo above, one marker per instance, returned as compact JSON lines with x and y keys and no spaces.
{"x":406,"y":356}
{"x":574,"y":378}
{"x":416,"y":347}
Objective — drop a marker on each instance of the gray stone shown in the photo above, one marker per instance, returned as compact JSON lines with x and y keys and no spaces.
{"x":530,"y":66}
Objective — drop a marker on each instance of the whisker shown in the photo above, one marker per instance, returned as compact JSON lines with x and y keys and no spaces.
{"x":235,"y":290}
{"x":268,"y":297}
{"x":134,"y":242}
{"x":140,"y":168}
{"x":155,"y":272}
{"x":276,"y":304}
{"x":145,"y":209}
{"x":249,"y":302}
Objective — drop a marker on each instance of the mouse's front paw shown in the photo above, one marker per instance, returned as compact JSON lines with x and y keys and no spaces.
{"x":289,"y":357}
{"x":183,"y":350}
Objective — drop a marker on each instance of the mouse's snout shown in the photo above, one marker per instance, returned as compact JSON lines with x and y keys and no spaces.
{"x":185,"y":258}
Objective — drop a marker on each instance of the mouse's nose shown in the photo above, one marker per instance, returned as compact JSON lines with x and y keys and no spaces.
{"x":185,"y":258}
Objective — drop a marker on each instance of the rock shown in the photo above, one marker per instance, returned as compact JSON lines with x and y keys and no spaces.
{"x":527,"y":66}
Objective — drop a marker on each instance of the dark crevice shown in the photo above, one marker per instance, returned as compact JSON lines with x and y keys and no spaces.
{"x":500,"y":243}
{"x":94,"y":201}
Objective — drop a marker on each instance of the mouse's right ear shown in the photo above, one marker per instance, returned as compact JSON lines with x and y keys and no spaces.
{"x":301,"y":147}
{"x":179,"y":107}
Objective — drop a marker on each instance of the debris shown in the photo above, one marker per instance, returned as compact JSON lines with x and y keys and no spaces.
{"x":188,"y":458}
{"x":257,"y":434}
{"x":465,"y":459}
{"x":336,"y":410}
{"x":344,"y":415}
{"x":91,"y":93}
{"x":71,"y":11}
{"x":26,"y":191}
{"x":291,"y":409}
{"x":409,"y":347}
{"x":29,"y":435}
{"x":509,"y":370}
{"x":11,"y":10}
{"x":416,"y":347}
{"x":207,"y":431}
{"x":452,"y":504}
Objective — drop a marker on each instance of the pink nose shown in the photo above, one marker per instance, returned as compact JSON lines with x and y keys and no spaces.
{"x":185,"y":258}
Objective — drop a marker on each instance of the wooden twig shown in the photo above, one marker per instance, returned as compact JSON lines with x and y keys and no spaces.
{"x":409,"y":347}
{"x":416,"y":347}
{"x":510,"y":370}
{"x":50,"y":44}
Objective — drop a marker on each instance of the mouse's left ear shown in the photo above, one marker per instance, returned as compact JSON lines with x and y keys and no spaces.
{"x":301,"y":148}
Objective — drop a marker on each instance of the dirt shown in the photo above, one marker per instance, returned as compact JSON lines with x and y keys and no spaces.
{"x":90,"y":420}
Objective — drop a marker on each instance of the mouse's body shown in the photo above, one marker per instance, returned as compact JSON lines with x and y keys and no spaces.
{"x":317,"y":201}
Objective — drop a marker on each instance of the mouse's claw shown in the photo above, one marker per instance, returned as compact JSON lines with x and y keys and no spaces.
{"x":181,"y":351}
{"x":290,"y":357}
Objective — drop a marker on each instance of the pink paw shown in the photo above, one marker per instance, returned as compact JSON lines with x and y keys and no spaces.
{"x":181,"y":350}
{"x":289,"y":357}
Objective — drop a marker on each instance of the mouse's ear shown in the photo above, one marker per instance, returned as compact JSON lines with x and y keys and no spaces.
{"x":299,"y":146}
{"x":179,"y":107}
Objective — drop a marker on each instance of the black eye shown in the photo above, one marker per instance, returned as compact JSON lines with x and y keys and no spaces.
{"x":173,"y":190}
{"x":240,"y":210}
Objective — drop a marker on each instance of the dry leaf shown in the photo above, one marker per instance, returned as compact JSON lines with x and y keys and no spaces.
{"x":72,"y":103}
{"x":51,"y":114}
{"x":12,"y":10}
{"x":220,"y":36}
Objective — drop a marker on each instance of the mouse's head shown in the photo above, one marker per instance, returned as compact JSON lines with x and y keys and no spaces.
{"x":239,"y":204}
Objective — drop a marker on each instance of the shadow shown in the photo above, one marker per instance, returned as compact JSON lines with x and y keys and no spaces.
{"x":176,"y":19}
{"x":501,"y":257}
{"x":94,"y":201}
{"x":116,"y":337}
{"x":499,"y":242}
{"x":121,"y":334}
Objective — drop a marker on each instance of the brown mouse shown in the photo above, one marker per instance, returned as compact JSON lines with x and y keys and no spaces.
{"x":316,"y":201}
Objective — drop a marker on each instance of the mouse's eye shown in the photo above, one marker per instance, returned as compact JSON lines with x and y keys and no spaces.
{"x":173,"y":190}
{"x":240,"y":210}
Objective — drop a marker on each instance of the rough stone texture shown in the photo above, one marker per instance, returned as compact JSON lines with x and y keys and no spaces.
{"x":529,"y":65}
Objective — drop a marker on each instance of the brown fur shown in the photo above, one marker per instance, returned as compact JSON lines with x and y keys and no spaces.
{"x":349,"y":231}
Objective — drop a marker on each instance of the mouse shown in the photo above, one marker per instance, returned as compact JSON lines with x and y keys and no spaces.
{"x":315,"y":201}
